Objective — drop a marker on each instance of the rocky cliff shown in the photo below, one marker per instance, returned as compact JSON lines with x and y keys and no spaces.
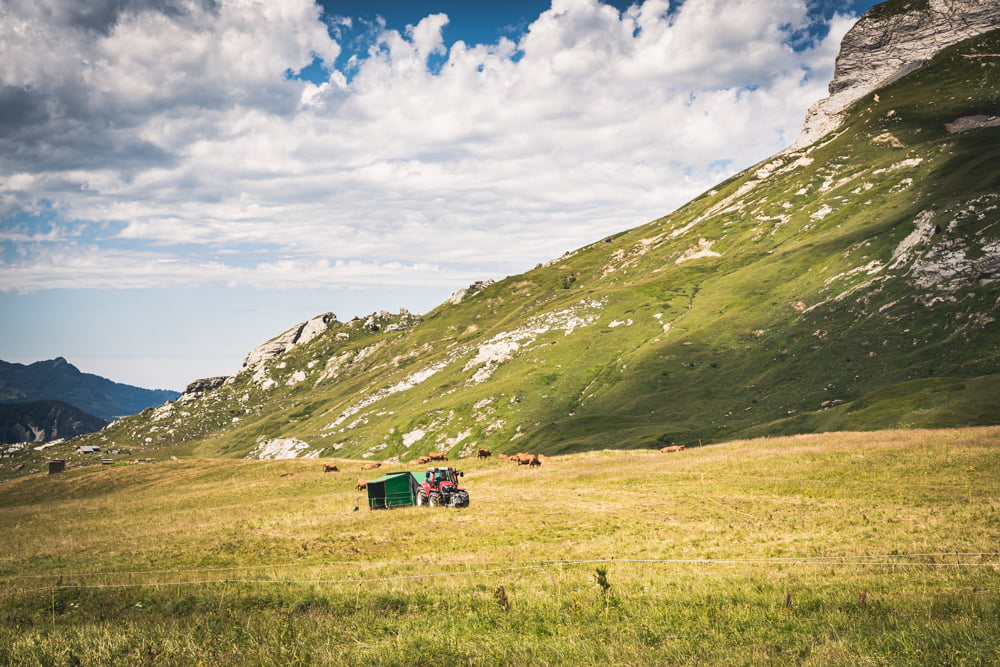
{"x":891,"y":40}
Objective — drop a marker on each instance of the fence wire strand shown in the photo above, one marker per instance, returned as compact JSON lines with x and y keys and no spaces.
{"x":884,"y":560}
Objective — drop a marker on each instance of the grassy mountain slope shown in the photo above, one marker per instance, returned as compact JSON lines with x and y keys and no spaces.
{"x":851,"y":285}
{"x":831,"y":549}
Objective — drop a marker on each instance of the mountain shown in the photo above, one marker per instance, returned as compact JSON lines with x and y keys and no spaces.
{"x":848,"y":283}
{"x":59,"y":380}
{"x":43,"y":421}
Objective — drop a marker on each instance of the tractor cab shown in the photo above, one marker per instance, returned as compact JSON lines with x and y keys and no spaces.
{"x":440,"y":487}
{"x":438,"y":475}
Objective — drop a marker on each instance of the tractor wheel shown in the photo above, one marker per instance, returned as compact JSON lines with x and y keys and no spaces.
{"x":421,"y":498}
{"x":435,"y":499}
{"x":461,"y":500}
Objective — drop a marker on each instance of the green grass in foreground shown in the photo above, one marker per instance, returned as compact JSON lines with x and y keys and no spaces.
{"x":845,"y":548}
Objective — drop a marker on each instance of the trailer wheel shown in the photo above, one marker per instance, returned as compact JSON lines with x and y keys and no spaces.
{"x":435,"y":499}
{"x":421,"y":498}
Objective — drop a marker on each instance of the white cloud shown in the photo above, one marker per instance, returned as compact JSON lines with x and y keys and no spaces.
{"x":71,"y":266}
{"x":180,"y":128}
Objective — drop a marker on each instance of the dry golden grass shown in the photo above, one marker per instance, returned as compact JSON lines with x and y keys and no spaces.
{"x":698,"y":546}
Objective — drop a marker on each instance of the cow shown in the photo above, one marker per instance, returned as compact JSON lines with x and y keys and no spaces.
{"x":530,"y":460}
{"x":422,"y":460}
{"x":503,"y":457}
{"x":371,"y":466}
{"x":672,"y":448}
{"x":436,"y":456}
{"x":329,"y":467}
{"x":362,"y":485}
{"x":483,"y":453}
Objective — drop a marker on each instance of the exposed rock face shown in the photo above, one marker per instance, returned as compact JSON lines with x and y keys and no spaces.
{"x":297,"y":335}
{"x":203,"y":385}
{"x":891,"y":40}
{"x":459,"y":295}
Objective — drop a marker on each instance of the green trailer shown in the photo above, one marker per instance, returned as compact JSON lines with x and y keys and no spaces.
{"x":397,"y":489}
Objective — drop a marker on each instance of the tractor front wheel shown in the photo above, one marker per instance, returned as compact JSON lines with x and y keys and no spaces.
{"x":435,"y":499}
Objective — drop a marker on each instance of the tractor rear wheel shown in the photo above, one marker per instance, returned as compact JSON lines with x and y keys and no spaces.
{"x":421,"y":498}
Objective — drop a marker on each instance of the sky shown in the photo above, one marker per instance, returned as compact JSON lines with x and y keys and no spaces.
{"x":181,"y":180}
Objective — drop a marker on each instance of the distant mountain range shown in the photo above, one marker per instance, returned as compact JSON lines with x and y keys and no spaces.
{"x":44,"y":421}
{"x":59,"y":380}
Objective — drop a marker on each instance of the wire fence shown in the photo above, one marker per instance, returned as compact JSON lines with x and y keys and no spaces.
{"x":77,"y":580}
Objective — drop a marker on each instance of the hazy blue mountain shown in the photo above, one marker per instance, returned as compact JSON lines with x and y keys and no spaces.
{"x":42,"y":421}
{"x":59,"y":380}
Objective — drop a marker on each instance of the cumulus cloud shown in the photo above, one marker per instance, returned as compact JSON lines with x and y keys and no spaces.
{"x":177,"y":139}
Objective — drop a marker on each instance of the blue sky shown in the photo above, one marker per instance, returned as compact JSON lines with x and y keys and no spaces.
{"x":163,"y":210}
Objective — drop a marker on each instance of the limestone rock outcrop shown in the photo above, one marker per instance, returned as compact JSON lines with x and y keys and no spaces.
{"x":297,"y":335}
{"x":204,"y":384}
{"x":459,"y":295}
{"x":891,"y":40}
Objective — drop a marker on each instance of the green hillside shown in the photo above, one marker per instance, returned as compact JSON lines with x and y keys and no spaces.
{"x":850,"y":548}
{"x":848,"y":286}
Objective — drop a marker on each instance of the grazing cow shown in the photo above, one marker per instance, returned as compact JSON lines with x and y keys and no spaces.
{"x":371,"y":466}
{"x":436,"y":456}
{"x":503,"y":457}
{"x":329,"y":467}
{"x":483,"y":453}
{"x":530,"y":460}
{"x":672,"y":448}
{"x":422,"y":460}
{"x":362,"y":485}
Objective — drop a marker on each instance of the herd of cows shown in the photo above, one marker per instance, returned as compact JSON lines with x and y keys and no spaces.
{"x":521,"y":459}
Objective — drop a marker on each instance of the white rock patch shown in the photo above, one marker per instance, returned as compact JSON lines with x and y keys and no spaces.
{"x":413,"y":437}
{"x":281,"y":448}
{"x":703,"y":249}
{"x":924,"y":230}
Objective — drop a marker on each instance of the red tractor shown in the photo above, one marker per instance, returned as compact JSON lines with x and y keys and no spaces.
{"x":440,"y":487}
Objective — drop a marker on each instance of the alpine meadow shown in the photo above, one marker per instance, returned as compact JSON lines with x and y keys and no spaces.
{"x":818,"y":332}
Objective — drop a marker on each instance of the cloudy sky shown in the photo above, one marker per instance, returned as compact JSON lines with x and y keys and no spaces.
{"x":181,"y":180}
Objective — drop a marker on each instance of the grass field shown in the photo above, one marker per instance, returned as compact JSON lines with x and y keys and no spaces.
{"x":843,"y":548}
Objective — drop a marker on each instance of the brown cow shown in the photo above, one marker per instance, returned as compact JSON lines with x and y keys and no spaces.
{"x":503,"y":457}
{"x":422,"y":460}
{"x":329,"y":467}
{"x":530,"y":460}
{"x":371,"y":466}
{"x":436,"y":456}
{"x":362,"y":485}
{"x":672,"y":448}
{"x":483,"y":453}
